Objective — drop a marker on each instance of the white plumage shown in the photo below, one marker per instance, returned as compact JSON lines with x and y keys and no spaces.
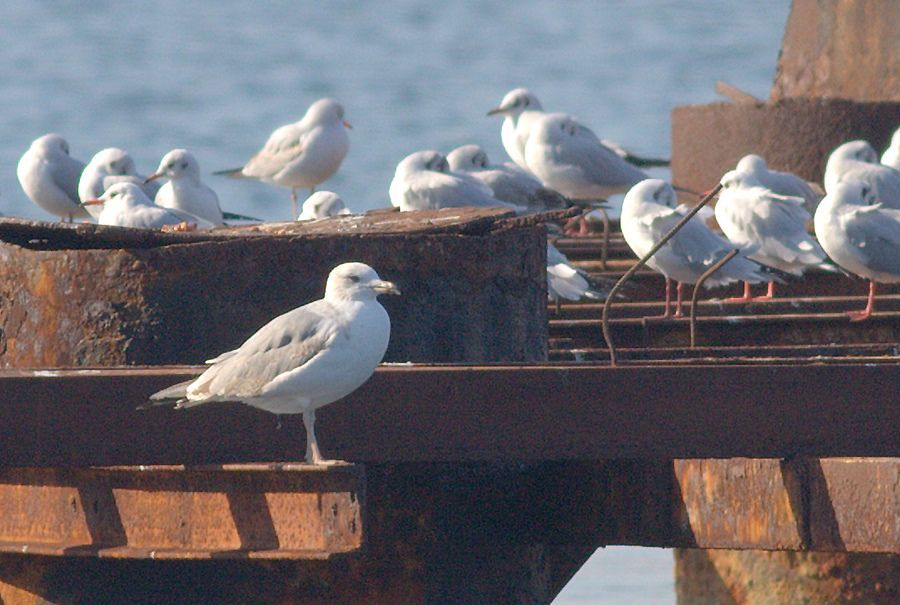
{"x":185,"y":190}
{"x":857,"y":161}
{"x":752,"y":215}
{"x":323,"y":204}
{"x":860,"y":235}
{"x":49,"y":176}
{"x":125,"y":205}
{"x":569,"y":158}
{"x":305,"y":358}
{"x":303,"y":154}
{"x":507,"y":181}
{"x":108,"y":167}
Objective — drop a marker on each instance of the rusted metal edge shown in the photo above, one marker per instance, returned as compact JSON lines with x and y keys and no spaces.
{"x":44,"y":235}
{"x":176,"y":512}
{"x":503,"y":413}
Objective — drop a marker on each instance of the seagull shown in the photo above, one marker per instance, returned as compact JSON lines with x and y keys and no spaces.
{"x":751,"y":215}
{"x":303,"y":359}
{"x":323,"y":204}
{"x":423,"y":181}
{"x":891,"y":156}
{"x":508,"y":182}
{"x":569,"y":158}
{"x":649,"y":212}
{"x":303,"y":154}
{"x":185,"y":191}
{"x":860,"y":235}
{"x":49,"y":177}
{"x":520,"y":109}
{"x":108,"y":167}
{"x":782,"y":183}
{"x":565,"y":281}
{"x":126,"y":205}
{"x":857,"y":161}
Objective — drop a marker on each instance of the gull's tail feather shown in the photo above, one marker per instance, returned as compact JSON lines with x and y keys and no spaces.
{"x":235,"y":173}
{"x":167,"y":396}
{"x":642,"y":162}
{"x":233,"y":216}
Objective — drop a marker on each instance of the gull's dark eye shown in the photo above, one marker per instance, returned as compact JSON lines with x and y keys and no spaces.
{"x":183,"y":165}
{"x":354,"y":278}
{"x":170,"y":165}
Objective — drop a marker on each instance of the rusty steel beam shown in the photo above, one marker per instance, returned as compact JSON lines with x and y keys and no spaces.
{"x":240,"y":511}
{"x":735,"y":329}
{"x":455,"y":413}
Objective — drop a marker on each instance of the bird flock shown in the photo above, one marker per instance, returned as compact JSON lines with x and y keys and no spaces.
{"x":324,"y":350}
{"x":556,"y":162}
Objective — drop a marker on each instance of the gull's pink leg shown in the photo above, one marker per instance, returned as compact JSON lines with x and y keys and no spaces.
{"x":870,"y":306}
{"x":679,"y":312}
{"x":747,"y":297}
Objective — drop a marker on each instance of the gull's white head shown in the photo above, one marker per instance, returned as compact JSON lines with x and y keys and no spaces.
{"x":735,"y":179}
{"x":419,"y":161}
{"x":326,"y":111}
{"x":121,"y":195}
{"x":515,"y":102}
{"x":752,"y":164}
{"x":176,"y":164}
{"x":554,"y":128}
{"x":50,"y":144}
{"x":860,"y":151}
{"x":651,"y":191}
{"x":356,"y":281}
{"x":323,"y":204}
{"x":467,"y":158}
{"x":113,"y":161}
{"x":854,"y":193}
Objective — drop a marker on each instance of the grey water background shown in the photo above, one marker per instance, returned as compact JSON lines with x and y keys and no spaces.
{"x":218,"y":76}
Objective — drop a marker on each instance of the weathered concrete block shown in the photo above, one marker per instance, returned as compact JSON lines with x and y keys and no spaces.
{"x":794,"y":134}
{"x":473,"y":282}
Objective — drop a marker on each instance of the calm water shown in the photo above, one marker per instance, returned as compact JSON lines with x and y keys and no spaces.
{"x":216,"y":77}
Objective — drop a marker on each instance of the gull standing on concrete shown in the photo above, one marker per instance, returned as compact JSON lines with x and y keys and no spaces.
{"x":323,"y":204}
{"x":126,"y":205}
{"x":304,"y":359}
{"x":860,"y":235}
{"x":781,"y":183}
{"x":858,"y":161}
{"x":303,"y":154}
{"x":649,"y":211}
{"x":49,"y":176}
{"x":423,"y":181}
{"x":185,"y":191}
{"x":508,"y":182}
{"x":891,"y":156}
{"x":752,"y":215}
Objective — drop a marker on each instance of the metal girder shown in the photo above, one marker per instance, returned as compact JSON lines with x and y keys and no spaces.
{"x":284,"y":511}
{"x":411,"y":413}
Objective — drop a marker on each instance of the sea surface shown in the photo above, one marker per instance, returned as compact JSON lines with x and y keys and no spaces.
{"x":217,"y":76}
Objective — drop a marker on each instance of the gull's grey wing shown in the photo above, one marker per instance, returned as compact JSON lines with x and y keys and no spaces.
{"x":285,"y":145}
{"x":885,"y":181}
{"x":776,"y":223}
{"x":287,"y":342}
{"x":595,"y":161}
{"x":875,"y":232}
